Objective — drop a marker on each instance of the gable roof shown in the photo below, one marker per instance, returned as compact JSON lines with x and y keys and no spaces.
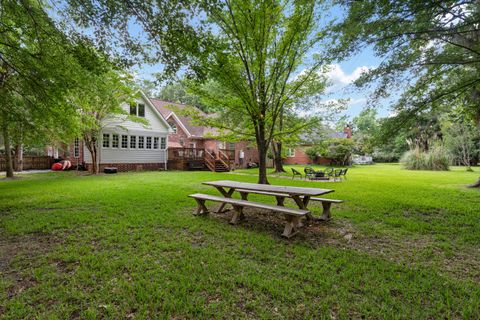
{"x":192,"y":130}
{"x":155,"y":110}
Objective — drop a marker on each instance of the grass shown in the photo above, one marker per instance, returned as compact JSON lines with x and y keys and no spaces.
{"x":403,"y":245}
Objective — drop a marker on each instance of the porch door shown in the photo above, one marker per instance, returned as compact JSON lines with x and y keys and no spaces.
{"x":191,"y":149}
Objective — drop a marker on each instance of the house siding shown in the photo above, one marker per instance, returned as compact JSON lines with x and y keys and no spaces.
{"x":126,"y":159}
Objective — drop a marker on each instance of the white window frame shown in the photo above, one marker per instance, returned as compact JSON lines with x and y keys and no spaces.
{"x":291,"y":152}
{"x":142,"y":139}
{"x":108,"y":141}
{"x":163,"y":143}
{"x":156,"y":143}
{"x":76,"y":148}
{"x":117,"y":140}
{"x":124,"y":140}
{"x":148,"y":143}
{"x":174,"y":127}
{"x":134,"y":139}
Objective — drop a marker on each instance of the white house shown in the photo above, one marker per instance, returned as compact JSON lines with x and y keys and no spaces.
{"x":130,"y":145}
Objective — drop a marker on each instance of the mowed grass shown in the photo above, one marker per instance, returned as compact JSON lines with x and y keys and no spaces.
{"x":405,"y":244}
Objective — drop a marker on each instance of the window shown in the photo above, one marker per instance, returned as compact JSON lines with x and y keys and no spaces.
{"x":76,"y":148}
{"x":163,"y":143}
{"x":114,"y":140}
{"x":124,"y":141}
{"x":106,"y":140}
{"x":141,"y":110}
{"x":141,"y":141}
{"x":182,"y":142}
{"x":174,"y":127}
{"x":137,"y":110}
{"x":133,"y":142}
{"x":231,"y":146}
{"x":133,"y":109}
{"x":149,"y":142}
{"x":290,"y":152}
{"x":155,"y":143}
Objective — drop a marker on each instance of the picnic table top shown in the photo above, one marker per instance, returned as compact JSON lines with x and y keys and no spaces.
{"x":269,"y":188}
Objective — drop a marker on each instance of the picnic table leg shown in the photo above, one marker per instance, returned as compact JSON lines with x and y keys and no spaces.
{"x":302,"y":204}
{"x":226,"y":194}
{"x":280,"y":201}
{"x":326,"y":211}
{"x":244,"y":195}
{"x":291,"y":226}
{"x":237,"y":215}
{"x":201,"y":209}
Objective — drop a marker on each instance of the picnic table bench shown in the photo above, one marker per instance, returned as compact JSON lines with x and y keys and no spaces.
{"x":300,"y":195}
{"x":292,"y":216}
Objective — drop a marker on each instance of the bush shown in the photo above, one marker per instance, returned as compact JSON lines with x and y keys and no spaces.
{"x":436,"y":159}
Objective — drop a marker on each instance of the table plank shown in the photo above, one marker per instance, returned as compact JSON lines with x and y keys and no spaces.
{"x":268,"y":188}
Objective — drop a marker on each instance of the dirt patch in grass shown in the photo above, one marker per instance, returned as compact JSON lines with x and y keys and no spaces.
{"x":28,"y":247}
{"x":461,"y":263}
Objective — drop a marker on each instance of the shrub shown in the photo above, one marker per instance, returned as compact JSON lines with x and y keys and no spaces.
{"x":437,"y":158}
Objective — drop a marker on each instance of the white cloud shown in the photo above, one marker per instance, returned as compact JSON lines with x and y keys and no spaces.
{"x":339,"y":79}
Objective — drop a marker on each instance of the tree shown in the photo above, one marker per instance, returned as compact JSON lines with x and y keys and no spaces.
{"x":459,"y":137}
{"x":253,"y":50}
{"x":430,"y":51}
{"x":365,"y":128}
{"x":38,"y":67}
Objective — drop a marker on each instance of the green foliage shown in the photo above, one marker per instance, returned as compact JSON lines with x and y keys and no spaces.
{"x":461,"y":140}
{"x":365,"y":131}
{"x":437,"y":159}
{"x":338,"y":149}
{"x":429,"y":51}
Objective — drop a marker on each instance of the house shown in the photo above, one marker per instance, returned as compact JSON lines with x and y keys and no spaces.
{"x":298,"y":154}
{"x":126,"y":144}
{"x":192,"y":146}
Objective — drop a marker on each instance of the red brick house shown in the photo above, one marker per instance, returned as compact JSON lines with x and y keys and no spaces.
{"x":192,"y":146}
{"x":298,"y":154}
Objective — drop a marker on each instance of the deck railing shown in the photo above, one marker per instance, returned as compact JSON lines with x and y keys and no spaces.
{"x":185,"y":154}
{"x":229,"y":154}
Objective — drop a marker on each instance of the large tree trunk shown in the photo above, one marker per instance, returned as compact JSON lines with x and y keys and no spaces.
{"x":91,"y":144}
{"x":19,"y":157}
{"x":8,"y":151}
{"x":277,"y":156}
{"x":262,"y":154}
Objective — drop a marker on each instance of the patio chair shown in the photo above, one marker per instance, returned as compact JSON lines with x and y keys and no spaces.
{"x":344,"y":173}
{"x":336,"y":174}
{"x":296,"y":173}
{"x":309,"y":173}
{"x":328,"y":171}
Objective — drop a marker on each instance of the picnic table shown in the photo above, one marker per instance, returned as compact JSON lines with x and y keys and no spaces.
{"x":300,"y":195}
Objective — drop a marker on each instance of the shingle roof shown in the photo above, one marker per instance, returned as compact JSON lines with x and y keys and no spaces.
{"x":167,"y":108}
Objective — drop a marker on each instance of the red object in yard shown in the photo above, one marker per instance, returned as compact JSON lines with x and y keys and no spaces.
{"x":57,"y":166}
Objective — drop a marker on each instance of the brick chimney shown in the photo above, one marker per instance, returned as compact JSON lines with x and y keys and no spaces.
{"x":348,"y":131}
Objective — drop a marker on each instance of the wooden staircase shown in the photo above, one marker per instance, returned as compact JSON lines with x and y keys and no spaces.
{"x":221,"y":166}
{"x":215,"y":165}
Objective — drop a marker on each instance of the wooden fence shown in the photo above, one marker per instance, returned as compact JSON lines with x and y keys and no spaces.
{"x":31,"y":163}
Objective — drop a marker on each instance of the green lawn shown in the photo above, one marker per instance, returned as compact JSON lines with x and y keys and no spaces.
{"x":404,"y":245}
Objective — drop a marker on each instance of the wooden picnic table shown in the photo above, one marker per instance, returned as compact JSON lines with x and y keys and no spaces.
{"x":300,"y":195}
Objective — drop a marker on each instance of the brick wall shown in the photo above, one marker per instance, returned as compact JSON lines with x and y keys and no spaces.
{"x":302,"y":158}
{"x":250,"y":154}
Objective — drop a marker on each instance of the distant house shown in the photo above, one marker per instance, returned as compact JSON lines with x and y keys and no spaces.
{"x":298,"y":155}
{"x":191,"y":146}
{"x":126,"y":144}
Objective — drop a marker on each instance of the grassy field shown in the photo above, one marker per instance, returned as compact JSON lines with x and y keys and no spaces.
{"x":404,"y":245}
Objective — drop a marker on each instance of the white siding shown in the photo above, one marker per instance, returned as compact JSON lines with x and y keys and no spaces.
{"x":156,"y":127}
